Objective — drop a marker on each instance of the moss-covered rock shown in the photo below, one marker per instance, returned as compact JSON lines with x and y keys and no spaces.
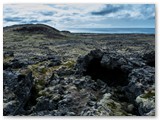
{"x":116,"y":109}
{"x":146,"y":103}
{"x":69,"y":64}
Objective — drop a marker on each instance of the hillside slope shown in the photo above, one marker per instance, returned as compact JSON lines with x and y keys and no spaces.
{"x":35,"y":29}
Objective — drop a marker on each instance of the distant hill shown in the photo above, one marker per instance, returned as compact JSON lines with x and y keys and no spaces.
{"x":35,"y":29}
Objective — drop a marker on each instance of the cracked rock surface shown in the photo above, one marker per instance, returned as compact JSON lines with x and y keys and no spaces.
{"x":48,"y":72}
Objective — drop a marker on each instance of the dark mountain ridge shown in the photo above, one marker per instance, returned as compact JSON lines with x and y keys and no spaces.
{"x":35,"y":29}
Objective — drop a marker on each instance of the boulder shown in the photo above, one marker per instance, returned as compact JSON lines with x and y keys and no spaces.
{"x":140,"y":80}
{"x":83,"y":61}
{"x":146,"y":104}
{"x":17,"y":87}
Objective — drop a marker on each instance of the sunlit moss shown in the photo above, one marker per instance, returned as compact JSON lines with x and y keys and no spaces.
{"x":148,"y":95}
{"x":69,"y":64}
{"x":111,"y":105}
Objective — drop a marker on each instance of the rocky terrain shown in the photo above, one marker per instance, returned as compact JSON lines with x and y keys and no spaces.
{"x":58,"y":73}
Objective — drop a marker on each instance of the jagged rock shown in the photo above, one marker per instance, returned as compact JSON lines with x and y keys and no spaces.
{"x":89,"y":111}
{"x":16,"y":87}
{"x":44,"y":103}
{"x":112,"y":60}
{"x":15,"y":63}
{"x":54,"y":61}
{"x":10,"y":80}
{"x":59,"y":89}
{"x":134,"y":75}
{"x":151,"y":113}
{"x":6,"y":66}
{"x":105,"y":83}
{"x":114,"y":79}
{"x":43,"y":113}
{"x":79,"y":83}
{"x":8,"y":54}
{"x":126,"y":68}
{"x":146,"y":104}
{"x":91,"y":103}
{"x":66,"y":105}
{"x":9,"y":107}
{"x":140,"y":80}
{"x":149,"y":57}
{"x":104,"y":66}
{"x":83,"y":62}
{"x":64,"y":71}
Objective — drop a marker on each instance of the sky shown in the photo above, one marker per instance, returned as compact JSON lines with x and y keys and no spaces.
{"x":63,"y":16}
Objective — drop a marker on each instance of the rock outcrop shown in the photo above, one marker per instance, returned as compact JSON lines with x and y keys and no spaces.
{"x":17,"y":91}
{"x":135,"y":76}
{"x":101,"y":83}
{"x":44,"y":75}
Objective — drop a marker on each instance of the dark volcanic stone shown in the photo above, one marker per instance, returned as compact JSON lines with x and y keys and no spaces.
{"x":104,"y":66}
{"x":10,"y":80}
{"x":15,"y":63}
{"x":54,"y":61}
{"x":19,"y":86}
{"x":112,"y":60}
{"x":140,"y":80}
{"x":6,"y":66}
{"x":149,"y":57}
{"x":83,"y":62}
{"x":131,"y":73}
{"x":8,"y":54}
{"x":44,"y":103}
{"x":111,"y":67}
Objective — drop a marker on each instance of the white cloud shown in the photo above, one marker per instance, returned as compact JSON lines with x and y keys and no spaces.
{"x":73,"y":15}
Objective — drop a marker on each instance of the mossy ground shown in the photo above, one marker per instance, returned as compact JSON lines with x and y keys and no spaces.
{"x":31,"y":47}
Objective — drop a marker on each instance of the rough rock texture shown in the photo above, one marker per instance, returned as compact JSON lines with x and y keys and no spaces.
{"x":149,"y":58}
{"x":140,"y":80}
{"x":85,"y":60}
{"x":135,"y":77}
{"x":113,"y":85}
{"x":105,"y":83}
{"x":17,"y":90}
{"x":56,"y":73}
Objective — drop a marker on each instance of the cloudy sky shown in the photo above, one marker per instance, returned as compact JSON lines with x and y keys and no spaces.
{"x":63,"y":16}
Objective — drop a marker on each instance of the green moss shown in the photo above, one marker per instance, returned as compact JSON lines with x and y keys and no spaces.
{"x":55,"y":67}
{"x":43,"y":70}
{"x":40,"y":82}
{"x":69,"y":64}
{"x":112,"y":105}
{"x":148,"y":95}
